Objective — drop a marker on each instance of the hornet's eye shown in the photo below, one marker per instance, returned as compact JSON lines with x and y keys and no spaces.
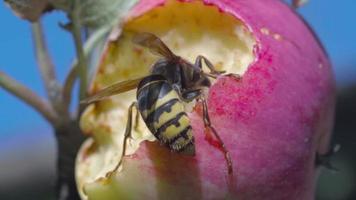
{"x":206,"y":82}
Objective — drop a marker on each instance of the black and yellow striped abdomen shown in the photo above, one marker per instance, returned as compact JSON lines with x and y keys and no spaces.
{"x":164,"y":114}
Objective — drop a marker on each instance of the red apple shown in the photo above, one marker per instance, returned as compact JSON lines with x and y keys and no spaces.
{"x":273,"y":121}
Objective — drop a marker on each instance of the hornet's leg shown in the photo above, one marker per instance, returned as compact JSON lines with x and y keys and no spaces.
{"x":208,"y":126}
{"x":128,"y":127}
{"x":213,"y":71}
{"x":324,"y":159}
{"x":127,"y":135}
{"x":137,"y":119}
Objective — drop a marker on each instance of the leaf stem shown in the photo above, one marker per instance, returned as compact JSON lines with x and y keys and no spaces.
{"x":29,"y":97}
{"x":68,"y":86}
{"x":77,"y":37}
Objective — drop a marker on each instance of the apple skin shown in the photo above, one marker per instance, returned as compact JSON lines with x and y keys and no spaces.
{"x":273,"y":121}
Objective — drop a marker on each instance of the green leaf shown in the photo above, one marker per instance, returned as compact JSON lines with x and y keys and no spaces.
{"x":101,"y":17}
{"x":95,"y":14}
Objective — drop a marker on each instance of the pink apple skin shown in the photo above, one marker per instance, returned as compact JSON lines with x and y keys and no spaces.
{"x":273,"y":121}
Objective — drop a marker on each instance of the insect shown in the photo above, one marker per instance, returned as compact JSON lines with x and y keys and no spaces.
{"x":161,"y":96}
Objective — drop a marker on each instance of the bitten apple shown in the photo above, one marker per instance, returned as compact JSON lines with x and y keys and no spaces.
{"x":273,"y":121}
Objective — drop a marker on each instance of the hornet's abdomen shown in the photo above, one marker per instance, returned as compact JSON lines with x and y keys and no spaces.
{"x":164,"y":114}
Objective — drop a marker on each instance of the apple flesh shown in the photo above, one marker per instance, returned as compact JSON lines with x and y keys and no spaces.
{"x":273,"y":121}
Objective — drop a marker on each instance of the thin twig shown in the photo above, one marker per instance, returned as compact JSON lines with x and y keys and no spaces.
{"x":29,"y":97}
{"x":44,"y":62}
{"x":68,"y":86}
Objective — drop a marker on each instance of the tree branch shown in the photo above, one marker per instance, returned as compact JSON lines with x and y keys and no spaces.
{"x":29,"y":97}
{"x":45,"y":63}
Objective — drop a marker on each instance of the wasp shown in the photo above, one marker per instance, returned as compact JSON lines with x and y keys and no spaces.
{"x":161,"y":95}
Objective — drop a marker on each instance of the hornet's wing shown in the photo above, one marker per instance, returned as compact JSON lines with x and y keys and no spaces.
{"x":153,"y":43}
{"x":113,"y":89}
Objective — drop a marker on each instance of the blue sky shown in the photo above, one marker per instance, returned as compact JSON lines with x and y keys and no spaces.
{"x":17,"y":60}
{"x":333,"y":21}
